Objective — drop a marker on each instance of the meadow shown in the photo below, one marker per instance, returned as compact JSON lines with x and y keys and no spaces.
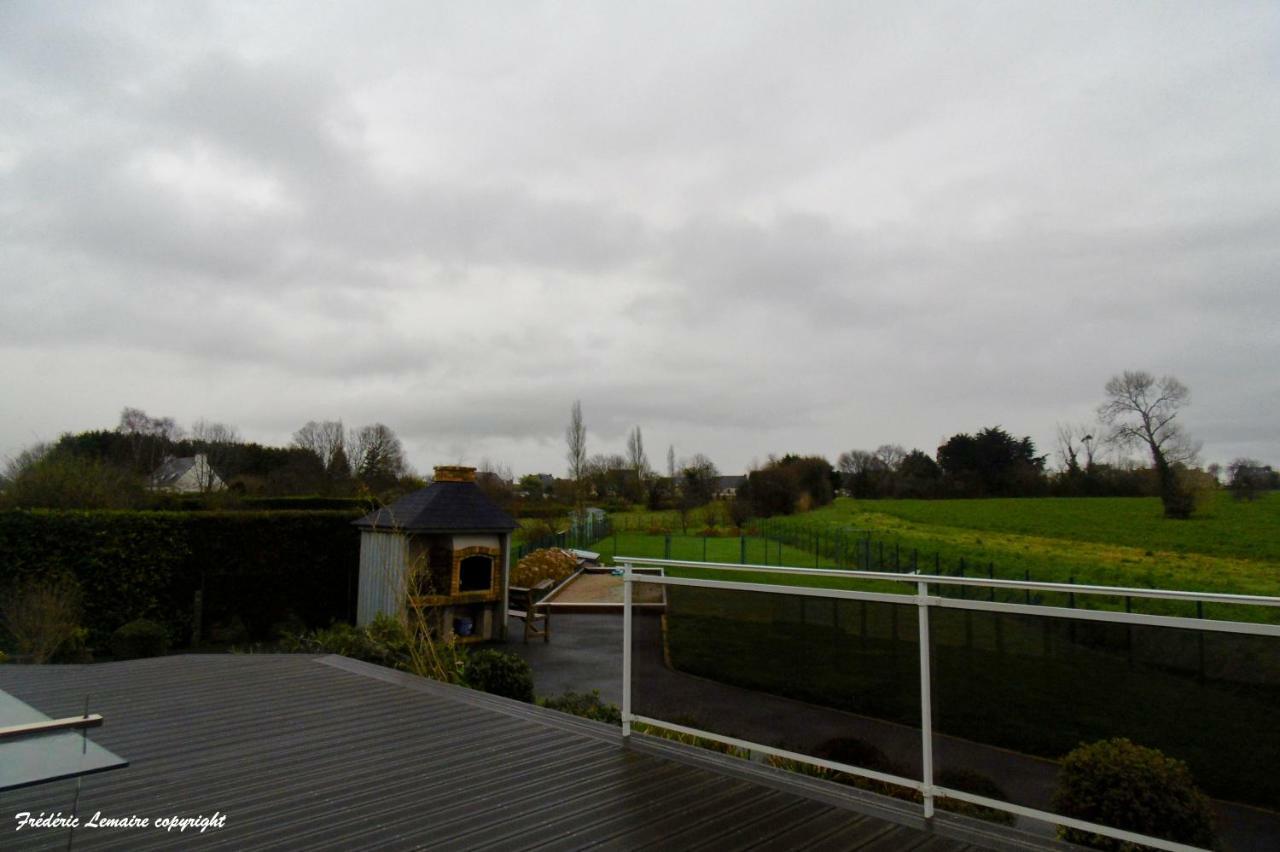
{"x":1230,"y":546}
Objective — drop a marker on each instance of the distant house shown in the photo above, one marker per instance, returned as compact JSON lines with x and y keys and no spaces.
{"x":190,"y":475}
{"x":726,"y":487}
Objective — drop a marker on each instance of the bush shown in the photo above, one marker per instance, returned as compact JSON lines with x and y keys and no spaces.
{"x":1122,"y":785}
{"x":42,"y":619}
{"x":384,"y":642}
{"x":258,"y":566}
{"x":140,"y":638}
{"x":551,"y":563}
{"x":499,"y":673}
{"x":978,"y":784}
{"x":585,"y":704}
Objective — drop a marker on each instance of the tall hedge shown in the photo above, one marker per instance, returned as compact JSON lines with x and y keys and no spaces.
{"x":259,"y":567}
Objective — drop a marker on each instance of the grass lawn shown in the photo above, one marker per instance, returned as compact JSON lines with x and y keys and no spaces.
{"x":1223,"y":527}
{"x":1231,"y":547}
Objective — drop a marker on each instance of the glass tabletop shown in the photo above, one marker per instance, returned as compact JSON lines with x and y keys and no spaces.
{"x":46,"y":757}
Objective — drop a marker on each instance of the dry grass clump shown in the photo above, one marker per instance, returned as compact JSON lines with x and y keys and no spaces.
{"x":41,"y":616}
{"x":550,"y":563}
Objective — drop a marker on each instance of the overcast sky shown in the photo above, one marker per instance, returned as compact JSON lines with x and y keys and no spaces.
{"x":747,"y":228}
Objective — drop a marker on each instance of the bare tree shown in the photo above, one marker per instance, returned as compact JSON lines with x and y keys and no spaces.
{"x":1246,"y":478}
{"x":1142,"y":411}
{"x":1071,"y":440}
{"x":891,"y":455}
{"x":863,"y":473}
{"x":377,"y":456}
{"x":494,"y":479}
{"x":208,"y":432}
{"x":575,"y":436}
{"x":638,"y":462}
{"x":671,"y":461}
{"x":218,"y":443}
{"x":149,"y":437}
{"x":325,"y":439}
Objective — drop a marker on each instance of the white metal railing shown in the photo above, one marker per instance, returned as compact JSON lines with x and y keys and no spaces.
{"x":923,"y":600}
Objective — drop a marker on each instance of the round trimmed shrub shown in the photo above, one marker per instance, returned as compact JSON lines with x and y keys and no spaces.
{"x":140,"y":638}
{"x":499,"y":673}
{"x":980,"y":785}
{"x":1122,"y":785}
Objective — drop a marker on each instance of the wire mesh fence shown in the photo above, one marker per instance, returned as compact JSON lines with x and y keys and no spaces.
{"x":838,"y":675}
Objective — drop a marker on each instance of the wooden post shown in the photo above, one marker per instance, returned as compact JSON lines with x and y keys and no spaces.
{"x":197,"y":616}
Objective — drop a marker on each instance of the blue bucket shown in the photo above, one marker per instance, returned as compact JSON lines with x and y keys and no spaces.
{"x":463,"y":626}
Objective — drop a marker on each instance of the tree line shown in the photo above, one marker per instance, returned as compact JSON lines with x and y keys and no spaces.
{"x":1139,"y":412}
{"x":113,"y":468}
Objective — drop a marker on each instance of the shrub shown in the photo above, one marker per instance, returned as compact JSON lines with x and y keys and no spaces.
{"x":255,"y":565}
{"x":864,"y":755}
{"x":42,"y":617}
{"x":551,"y":563}
{"x":688,"y":739}
{"x":1122,"y":785}
{"x":140,"y":638}
{"x":978,"y":784}
{"x":585,"y":704}
{"x":499,"y":673}
{"x":383,"y":642}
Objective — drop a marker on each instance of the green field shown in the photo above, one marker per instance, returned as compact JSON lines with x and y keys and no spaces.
{"x":1229,"y":547}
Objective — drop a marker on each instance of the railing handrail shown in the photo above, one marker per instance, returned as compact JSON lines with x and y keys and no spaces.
{"x":921,"y":598}
{"x":985,"y":582}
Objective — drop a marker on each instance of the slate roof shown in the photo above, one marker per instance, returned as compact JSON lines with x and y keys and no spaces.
{"x":172,"y":470}
{"x":304,"y":752}
{"x":441,"y":507}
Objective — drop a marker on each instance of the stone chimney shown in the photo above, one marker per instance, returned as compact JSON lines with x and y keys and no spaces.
{"x":453,"y":473}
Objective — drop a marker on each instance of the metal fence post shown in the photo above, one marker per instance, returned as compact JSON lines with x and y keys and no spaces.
{"x":626,"y":651}
{"x":926,"y":700}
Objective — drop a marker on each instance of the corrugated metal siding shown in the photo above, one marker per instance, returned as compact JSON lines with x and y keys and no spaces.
{"x":383,"y":557}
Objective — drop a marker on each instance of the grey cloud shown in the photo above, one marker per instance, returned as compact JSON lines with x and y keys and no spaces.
{"x":747,"y":229}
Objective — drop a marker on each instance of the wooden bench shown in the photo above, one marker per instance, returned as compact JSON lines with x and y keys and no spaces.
{"x":524,"y":602}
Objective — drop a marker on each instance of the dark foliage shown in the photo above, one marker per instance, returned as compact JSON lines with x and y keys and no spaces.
{"x":792,"y":483}
{"x":1119,"y":784}
{"x":585,"y":704}
{"x":499,"y":673}
{"x":141,"y":637}
{"x":258,"y":566}
{"x":991,"y":463}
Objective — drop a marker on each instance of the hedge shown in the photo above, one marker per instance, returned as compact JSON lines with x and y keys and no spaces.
{"x":262,"y":568}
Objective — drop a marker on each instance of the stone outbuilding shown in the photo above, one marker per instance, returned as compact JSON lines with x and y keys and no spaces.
{"x":449,"y":546}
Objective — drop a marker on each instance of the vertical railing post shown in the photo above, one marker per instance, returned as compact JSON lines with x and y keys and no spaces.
{"x":926,"y":700}
{"x":626,"y":651}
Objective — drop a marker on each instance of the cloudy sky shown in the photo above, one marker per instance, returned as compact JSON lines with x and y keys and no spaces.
{"x":747,"y":228}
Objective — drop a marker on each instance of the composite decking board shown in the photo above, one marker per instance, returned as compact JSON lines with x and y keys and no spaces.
{"x":519,"y":815}
{"x":410,"y":799}
{"x":710,"y":825}
{"x":816,"y":831}
{"x":323,"y":752}
{"x":411,"y":781}
{"x":595,"y":767}
{"x":611,"y":814}
{"x":671,"y":821}
{"x":750,"y":831}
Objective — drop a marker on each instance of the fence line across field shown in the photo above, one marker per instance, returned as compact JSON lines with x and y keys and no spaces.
{"x":924,"y":601}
